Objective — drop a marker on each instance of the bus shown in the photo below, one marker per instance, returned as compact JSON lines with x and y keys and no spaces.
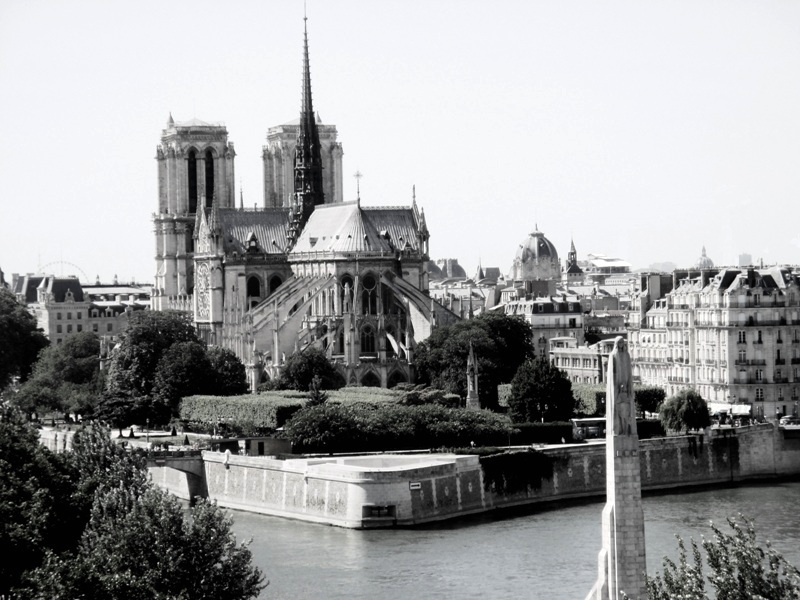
{"x":588,"y":428}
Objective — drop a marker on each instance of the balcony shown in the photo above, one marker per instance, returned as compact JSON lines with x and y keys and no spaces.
{"x":795,"y":361}
{"x":780,"y":380}
{"x":780,"y":361}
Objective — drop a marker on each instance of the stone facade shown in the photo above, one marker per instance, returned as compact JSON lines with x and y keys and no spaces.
{"x":733,"y":335}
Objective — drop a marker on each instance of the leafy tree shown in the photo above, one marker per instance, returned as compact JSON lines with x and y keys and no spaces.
{"x":540,"y":391}
{"x":229,"y":376}
{"x":183,"y":370}
{"x":66,"y":378}
{"x":35,"y":495}
{"x":501,"y":344}
{"x":301,"y":367}
{"x":685,"y":410}
{"x":20,"y":340}
{"x":739,"y":568}
{"x":649,"y":398}
{"x":134,"y":361}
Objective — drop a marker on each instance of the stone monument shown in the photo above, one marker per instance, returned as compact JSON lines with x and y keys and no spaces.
{"x":473,"y":401}
{"x":621,"y":564}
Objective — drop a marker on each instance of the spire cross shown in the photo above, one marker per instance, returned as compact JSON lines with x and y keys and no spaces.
{"x":358,"y":175}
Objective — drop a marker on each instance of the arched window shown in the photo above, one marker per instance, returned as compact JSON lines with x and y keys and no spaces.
{"x":191,"y":169}
{"x":209,"y":178}
{"x":367,"y":340}
{"x":346,"y":291}
{"x":371,"y":380}
{"x":369,"y":295}
{"x":395,"y":378}
{"x":253,"y":291}
{"x":274,"y":283}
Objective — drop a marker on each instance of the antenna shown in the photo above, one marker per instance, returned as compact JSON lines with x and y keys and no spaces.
{"x":358,"y":175}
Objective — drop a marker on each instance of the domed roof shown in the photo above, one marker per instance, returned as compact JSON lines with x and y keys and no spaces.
{"x":536,"y":259}
{"x":536,"y":247}
{"x":704,"y":262}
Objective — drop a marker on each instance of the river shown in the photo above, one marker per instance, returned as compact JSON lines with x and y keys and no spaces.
{"x":541,"y":554}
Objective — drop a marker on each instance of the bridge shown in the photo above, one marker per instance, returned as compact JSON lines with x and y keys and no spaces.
{"x":189,"y":462}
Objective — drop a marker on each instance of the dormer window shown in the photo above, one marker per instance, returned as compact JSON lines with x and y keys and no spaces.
{"x":252,"y":242}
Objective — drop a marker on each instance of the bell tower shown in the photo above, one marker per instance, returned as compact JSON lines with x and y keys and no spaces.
{"x":195,"y":170}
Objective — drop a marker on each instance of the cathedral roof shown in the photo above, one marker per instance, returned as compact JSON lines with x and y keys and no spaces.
{"x":349,"y":227}
{"x":270,"y":227}
{"x":195,"y":123}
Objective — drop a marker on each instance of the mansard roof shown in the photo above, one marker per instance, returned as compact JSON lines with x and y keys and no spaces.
{"x":349,"y":227}
{"x":59,"y":286}
{"x":270,"y":226}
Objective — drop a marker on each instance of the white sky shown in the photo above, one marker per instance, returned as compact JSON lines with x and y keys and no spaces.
{"x":643,"y":129}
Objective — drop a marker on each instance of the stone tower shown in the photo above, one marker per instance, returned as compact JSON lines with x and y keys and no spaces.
{"x":195,"y":169}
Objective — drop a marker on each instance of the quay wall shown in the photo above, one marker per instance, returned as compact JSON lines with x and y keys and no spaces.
{"x":386,"y":490}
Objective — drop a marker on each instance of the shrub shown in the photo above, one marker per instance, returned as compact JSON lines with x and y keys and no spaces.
{"x":590,"y":399}
{"x":248,"y":413}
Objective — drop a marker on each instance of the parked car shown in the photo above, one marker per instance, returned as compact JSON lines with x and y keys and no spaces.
{"x":789,"y":420}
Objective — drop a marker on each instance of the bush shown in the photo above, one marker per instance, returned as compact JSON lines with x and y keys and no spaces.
{"x":590,"y":399}
{"x":246,"y":414}
{"x":334,"y":427}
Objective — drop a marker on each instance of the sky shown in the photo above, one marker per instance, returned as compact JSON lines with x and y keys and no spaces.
{"x":641,"y":130}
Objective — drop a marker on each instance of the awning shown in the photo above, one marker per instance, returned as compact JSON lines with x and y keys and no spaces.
{"x":733,"y":409}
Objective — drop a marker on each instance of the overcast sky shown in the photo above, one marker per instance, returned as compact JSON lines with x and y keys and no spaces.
{"x":643,"y":130}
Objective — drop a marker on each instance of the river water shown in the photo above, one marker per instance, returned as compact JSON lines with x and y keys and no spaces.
{"x":542,"y":554}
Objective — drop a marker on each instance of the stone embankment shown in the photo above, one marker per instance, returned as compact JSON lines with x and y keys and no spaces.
{"x":387,"y":490}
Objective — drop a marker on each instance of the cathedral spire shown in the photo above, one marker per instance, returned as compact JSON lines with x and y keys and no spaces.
{"x":308,"y":191}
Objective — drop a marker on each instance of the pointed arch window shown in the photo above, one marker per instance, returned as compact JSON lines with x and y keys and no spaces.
{"x":191,"y":173}
{"x":253,"y":291}
{"x":274,"y":283}
{"x":369,"y":296}
{"x":367,"y":340}
{"x":209,"y":177}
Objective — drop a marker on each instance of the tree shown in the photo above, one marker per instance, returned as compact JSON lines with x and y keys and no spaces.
{"x":301,"y":367}
{"x":20,"y":340}
{"x":229,"y":376}
{"x":739,"y":569}
{"x":685,"y":410}
{"x":316,"y":395}
{"x":35,"y":498}
{"x":501,"y":344}
{"x":135,"y":359}
{"x":540,"y":392}
{"x":183,"y":370}
{"x":66,"y":378}
{"x":648,"y":398}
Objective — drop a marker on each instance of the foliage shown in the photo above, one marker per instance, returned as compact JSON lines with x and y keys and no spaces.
{"x":34,"y":498}
{"x":66,"y":378}
{"x":135,"y":359}
{"x":316,"y":395}
{"x":301,"y":367}
{"x":553,"y":432}
{"x":90,"y":524}
{"x":251,"y":413}
{"x":501,"y":344}
{"x":686,"y":410}
{"x":514,"y":472}
{"x":649,"y":398}
{"x":20,"y":340}
{"x":590,"y":399}
{"x":183,"y":370}
{"x":503,"y":394}
{"x":739,"y":568}
{"x":422,"y":394}
{"x":334,"y":427}
{"x":228,"y":372}
{"x":138,"y":545}
{"x":540,"y":391}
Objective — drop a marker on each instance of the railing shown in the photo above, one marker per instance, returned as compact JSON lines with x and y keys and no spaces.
{"x":796,"y":361}
{"x":780,"y":379}
{"x":780,"y":361}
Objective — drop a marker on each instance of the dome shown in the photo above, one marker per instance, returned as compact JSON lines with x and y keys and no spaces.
{"x":536,"y":259}
{"x":704,"y":262}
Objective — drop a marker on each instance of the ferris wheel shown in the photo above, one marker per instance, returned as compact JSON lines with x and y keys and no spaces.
{"x":64,"y":267}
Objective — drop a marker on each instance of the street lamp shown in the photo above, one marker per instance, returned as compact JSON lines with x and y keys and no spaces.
{"x":147,"y":432}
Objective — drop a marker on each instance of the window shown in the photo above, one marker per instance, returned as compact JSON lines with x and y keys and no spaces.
{"x":58,"y":328}
{"x":757,"y":300}
{"x":109,"y":326}
{"x":79,"y":327}
{"x":58,"y":316}
{"x":759,"y":374}
{"x":760,"y":394}
{"x":742,"y":356}
{"x":80,"y":316}
{"x":367,"y":340}
{"x":759,"y":340}
{"x":742,"y":337}
{"x":69,"y":316}
{"x":94,"y":327}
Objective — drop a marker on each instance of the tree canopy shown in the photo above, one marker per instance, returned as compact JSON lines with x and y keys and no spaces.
{"x":66,"y":378}
{"x":739,"y":568}
{"x":501,"y":344}
{"x":540,"y":392}
{"x":301,"y":368}
{"x":684,"y":411}
{"x":20,"y":340}
{"x":91,"y":524}
{"x":228,"y":373}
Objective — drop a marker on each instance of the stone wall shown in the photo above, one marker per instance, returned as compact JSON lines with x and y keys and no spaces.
{"x":385,"y":490}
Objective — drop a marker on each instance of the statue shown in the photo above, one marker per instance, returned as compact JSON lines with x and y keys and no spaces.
{"x":620,"y":410}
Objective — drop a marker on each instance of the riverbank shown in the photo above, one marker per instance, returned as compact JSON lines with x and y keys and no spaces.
{"x":391,"y":490}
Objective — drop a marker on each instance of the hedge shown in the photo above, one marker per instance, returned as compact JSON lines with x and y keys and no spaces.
{"x":334,"y":427}
{"x":246,"y":414}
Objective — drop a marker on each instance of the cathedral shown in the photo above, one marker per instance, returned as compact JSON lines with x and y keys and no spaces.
{"x":305,"y":270}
